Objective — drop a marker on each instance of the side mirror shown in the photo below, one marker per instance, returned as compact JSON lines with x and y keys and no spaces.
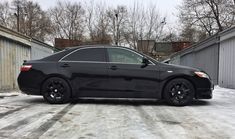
{"x":145,"y":62}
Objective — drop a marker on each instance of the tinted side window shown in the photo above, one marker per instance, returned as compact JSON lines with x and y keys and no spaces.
{"x":88,"y":54}
{"x":123,"y":56}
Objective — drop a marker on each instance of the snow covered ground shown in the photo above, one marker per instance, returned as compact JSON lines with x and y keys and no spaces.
{"x":23,"y":116}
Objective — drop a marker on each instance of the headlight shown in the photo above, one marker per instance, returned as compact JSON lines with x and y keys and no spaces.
{"x":201,"y":74}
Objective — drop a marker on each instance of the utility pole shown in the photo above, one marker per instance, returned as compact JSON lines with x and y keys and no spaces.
{"x":18,"y":17}
{"x":117,"y":29}
{"x":17,"y":14}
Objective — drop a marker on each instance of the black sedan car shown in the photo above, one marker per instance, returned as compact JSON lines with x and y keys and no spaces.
{"x":111,"y":72}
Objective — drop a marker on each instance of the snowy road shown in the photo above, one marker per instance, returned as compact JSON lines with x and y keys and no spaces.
{"x":23,"y":116}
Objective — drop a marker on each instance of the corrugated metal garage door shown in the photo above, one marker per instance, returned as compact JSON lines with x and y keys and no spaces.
{"x":12,"y":55}
{"x":40,"y":50}
{"x":187,"y":60}
{"x":227,"y":63}
{"x":207,"y":60}
{"x":203,"y":55}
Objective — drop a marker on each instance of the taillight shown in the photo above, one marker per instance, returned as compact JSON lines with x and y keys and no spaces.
{"x":25,"y":67}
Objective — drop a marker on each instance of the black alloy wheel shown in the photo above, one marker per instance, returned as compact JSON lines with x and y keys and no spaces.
{"x":56,"y":91}
{"x":179,"y":92}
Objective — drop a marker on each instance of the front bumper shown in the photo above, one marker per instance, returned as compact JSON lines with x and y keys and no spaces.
{"x":204,"y":93}
{"x":204,"y":88}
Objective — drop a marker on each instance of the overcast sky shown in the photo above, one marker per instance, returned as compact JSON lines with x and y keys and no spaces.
{"x":165,"y":7}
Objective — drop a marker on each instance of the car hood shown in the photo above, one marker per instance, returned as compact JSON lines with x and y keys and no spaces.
{"x":179,"y":67}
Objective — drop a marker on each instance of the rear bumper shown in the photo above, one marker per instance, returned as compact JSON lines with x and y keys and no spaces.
{"x":28,"y":85}
{"x":30,"y":91}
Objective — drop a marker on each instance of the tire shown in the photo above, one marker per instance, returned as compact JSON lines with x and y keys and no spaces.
{"x":179,"y":92}
{"x":56,"y":91}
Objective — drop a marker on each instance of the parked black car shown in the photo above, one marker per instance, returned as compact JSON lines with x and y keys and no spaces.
{"x":111,"y":72}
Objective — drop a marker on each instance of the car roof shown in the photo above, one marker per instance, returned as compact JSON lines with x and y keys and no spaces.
{"x":96,"y":46}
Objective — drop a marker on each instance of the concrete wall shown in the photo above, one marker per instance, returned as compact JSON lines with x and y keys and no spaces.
{"x":227,"y":59}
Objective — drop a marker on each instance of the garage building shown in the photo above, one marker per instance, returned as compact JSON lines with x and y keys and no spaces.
{"x":214,"y":55}
{"x":227,"y":58}
{"x":14,"y":49}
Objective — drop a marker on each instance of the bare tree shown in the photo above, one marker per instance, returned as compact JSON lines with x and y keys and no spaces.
{"x":144,"y":24}
{"x":32,"y":19}
{"x":5,"y":14}
{"x":131,"y":33}
{"x":68,"y":20}
{"x":141,"y":26}
{"x":98,"y":23}
{"x":211,"y":16}
{"x":102,"y":23}
{"x":118,"y":18}
{"x":85,"y":21}
{"x":90,"y":19}
{"x":126,"y":26}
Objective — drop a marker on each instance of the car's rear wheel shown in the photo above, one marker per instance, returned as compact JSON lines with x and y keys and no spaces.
{"x":56,"y":91}
{"x":179,"y":92}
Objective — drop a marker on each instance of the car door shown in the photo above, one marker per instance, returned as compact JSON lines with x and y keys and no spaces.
{"x":86,"y":69}
{"x":128,"y":77}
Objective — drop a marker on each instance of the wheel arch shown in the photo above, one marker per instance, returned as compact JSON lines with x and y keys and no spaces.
{"x":186,"y":77}
{"x":58,"y":76}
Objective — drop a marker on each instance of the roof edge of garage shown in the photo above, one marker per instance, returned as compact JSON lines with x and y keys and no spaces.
{"x":198,"y":46}
{"x":42,"y":43}
{"x":227,"y":34}
{"x":15,"y":36}
{"x":224,"y":35}
{"x":21,"y":38}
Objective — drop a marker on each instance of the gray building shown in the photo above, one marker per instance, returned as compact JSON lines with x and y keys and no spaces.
{"x":40,"y":49}
{"x":14,"y":49}
{"x":227,"y":58}
{"x":214,"y":55}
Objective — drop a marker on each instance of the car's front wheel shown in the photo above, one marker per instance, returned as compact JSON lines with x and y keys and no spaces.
{"x":179,"y":92}
{"x":56,"y":91}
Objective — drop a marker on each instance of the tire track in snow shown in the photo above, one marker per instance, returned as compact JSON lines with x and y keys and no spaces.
{"x":2,"y":115}
{"x":49,"y":123}
{"x":150,"y":122}
{"x":10,"y":129}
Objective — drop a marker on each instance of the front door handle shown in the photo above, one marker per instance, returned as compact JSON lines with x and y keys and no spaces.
{"x":65,"y":65}
{"x":113,"y":67}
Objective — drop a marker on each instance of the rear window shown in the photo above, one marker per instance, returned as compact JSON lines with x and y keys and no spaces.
{"x":57,"y":56}
{"x":87,"y":54}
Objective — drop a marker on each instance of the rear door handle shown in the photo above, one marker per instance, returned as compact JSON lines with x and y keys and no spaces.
{"x":113,"y":67}
{"x":65,"y":65}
